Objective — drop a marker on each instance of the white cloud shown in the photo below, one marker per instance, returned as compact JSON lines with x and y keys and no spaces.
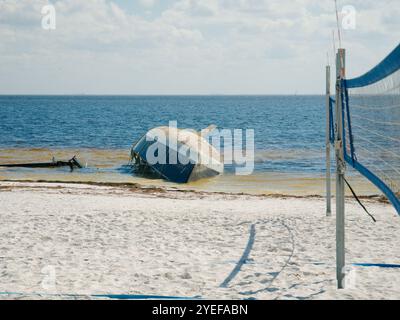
{"x":193,"y":46}
{"x":147,"y":3}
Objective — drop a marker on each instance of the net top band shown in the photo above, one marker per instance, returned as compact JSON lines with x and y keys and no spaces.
{"x":388,"y":66}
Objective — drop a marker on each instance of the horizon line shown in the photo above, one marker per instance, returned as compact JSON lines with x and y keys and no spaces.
{"x":160,"y":94}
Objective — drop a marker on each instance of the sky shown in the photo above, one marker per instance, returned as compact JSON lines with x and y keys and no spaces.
{"x":187,"y":46}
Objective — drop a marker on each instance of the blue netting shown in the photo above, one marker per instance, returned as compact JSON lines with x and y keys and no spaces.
{"x":371,"y":122}
{"x":331,"y":121}
{"x":384,"y":69}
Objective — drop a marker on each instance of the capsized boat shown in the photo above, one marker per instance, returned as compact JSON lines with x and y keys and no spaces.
{"x":185,"y":155}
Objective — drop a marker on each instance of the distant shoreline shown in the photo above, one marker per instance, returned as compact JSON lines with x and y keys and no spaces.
{"x":163,"y":95}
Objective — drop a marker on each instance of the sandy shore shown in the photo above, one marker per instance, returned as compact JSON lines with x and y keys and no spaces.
{"x":59,"y":239}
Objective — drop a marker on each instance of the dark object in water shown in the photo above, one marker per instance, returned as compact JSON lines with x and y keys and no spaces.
{"x":72,"y":163}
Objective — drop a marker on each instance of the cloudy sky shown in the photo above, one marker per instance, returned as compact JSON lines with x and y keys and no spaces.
{"x":186,"y":46}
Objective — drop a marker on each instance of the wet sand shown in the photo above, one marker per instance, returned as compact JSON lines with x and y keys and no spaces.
{"x":106,"y":166}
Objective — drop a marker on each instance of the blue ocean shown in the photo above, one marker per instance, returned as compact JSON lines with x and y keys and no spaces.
{"x":289,"y":132}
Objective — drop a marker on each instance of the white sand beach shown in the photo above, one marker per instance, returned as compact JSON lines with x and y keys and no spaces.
{"x":64,"y":240}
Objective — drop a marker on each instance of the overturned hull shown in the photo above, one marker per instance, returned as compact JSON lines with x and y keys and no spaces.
{"x":179,"y":156}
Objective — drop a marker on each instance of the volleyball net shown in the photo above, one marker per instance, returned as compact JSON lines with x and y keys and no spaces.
{"x":331,"y":121}
{"x":371,"y":125}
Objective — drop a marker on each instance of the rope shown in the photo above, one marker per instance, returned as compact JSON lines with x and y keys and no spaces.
{"x":338,"y":25}
{"x":358,"y":200}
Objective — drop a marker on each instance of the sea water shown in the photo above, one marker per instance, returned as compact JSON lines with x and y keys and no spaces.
{"x":289,"y":137}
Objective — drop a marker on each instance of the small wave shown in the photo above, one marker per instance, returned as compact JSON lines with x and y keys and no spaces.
{"x":262,"y":156}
